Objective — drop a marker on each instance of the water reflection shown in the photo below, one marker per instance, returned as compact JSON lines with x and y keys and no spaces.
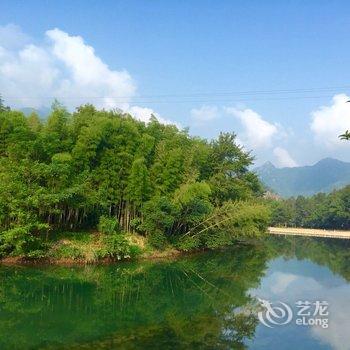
{"x":307,"y":269}
{"x":194,"y":302}
{"x":206,"y":301}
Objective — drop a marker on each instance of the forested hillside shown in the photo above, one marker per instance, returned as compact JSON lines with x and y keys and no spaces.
{"x":105,"y":171}
{"x":328,"y":211}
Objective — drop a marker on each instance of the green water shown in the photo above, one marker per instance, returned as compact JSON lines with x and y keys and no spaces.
{"x":205,"y":301}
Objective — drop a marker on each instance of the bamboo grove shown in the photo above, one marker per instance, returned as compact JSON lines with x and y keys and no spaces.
{"x":72,"y":169}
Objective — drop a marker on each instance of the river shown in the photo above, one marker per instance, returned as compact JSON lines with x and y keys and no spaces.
{"x":210,"y":300}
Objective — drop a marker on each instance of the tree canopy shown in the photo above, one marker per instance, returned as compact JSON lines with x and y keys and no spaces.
{"x":68,"y":171}
{"x":328,"y":211}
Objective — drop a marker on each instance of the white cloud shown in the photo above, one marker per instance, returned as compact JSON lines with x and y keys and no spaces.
{"x":204,"y":114}
{"x":88,"y":76}
{"x":258,"y":133}
{"x":337,"y":334}
{"x":328,"y":122}
{"x":144,"y":114}
{"x":284,"y":159}
{"x":12,"y":37}
{"x":27,"y":76}
{"x":66,"y":68}
{"x":282,"y":281}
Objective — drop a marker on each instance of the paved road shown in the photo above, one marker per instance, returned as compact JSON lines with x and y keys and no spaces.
{"x":307,"y":232}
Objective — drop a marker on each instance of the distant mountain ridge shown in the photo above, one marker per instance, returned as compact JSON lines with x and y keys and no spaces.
{"x":43,"y":112}
{"x":324,"y":176}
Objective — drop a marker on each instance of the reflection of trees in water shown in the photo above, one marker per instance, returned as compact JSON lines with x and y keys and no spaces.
{"x":332,"y":253}
{"x":198,"y":302}
{"x":201,"y":301}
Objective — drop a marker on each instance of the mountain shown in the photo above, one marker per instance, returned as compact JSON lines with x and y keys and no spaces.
{"x":43,"y":112}
{"x":326,"y":175}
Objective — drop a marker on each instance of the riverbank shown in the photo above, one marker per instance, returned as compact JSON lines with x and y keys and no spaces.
{"x":156,"y":255}
{"x":92,"y":248}
{"x":84,"y":248}
{"x":308,"y":232}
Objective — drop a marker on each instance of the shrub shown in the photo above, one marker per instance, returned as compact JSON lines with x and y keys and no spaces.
{"x":157,"y":239}
{"x":187,"y":243}
{"x":117,"y":246}
{"x":213,"y":239}
{"x":233,"y":221}
{"x":108,"y":225}
{"x":159,"y":215}
{"x":136,"y":224}
{"x":23,"y":241}
{"x":68,"y":251}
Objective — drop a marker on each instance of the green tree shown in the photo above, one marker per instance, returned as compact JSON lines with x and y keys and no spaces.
{"x":345,"y":136}
{"x":3,"y":108}
{"x":67,"y":171}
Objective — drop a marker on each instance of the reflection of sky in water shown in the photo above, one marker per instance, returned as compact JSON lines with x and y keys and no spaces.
{"x":293,"y":280}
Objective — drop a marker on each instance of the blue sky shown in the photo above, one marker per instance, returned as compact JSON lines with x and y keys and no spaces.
{"x":208,"y":65}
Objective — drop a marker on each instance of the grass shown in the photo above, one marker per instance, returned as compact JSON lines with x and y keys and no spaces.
{"x":89,"y":247}
{"x":76,"y":246}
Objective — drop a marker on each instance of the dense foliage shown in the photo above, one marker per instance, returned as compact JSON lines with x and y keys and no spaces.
{"x":105,"y":169}
{"x":328,"y":211}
